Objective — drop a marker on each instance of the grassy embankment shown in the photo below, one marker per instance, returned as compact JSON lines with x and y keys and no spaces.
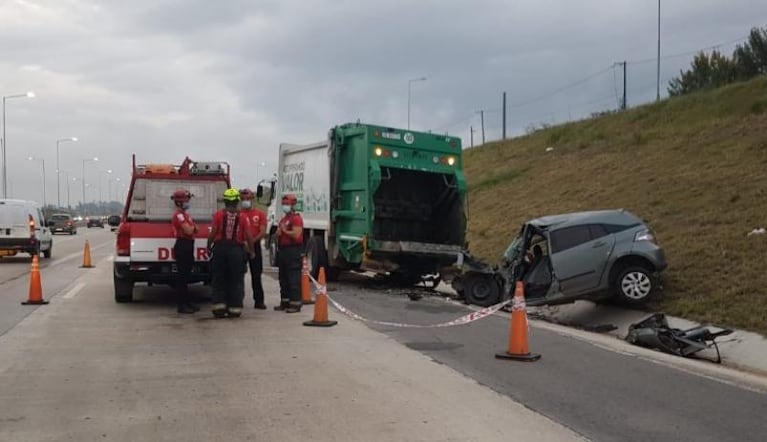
{"x":694,"y":167}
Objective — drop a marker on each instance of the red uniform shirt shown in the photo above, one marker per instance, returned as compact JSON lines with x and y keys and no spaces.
{"x":290,"y":220}
{"x":179,"y":219}
{"x":225,"y":223}
{"x":257,"y":220}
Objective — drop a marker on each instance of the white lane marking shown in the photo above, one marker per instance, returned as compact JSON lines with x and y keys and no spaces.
{"x":76,"y":254}
{"x":74,"y":291}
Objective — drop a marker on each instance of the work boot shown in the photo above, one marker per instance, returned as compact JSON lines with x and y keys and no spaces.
{"x":185,"y":309}
{"x":293,"y":307}
{"x":234,"y":312}
{"x":219,"y":310}
{"x":283,"y":305}
{"x":261,"y":306}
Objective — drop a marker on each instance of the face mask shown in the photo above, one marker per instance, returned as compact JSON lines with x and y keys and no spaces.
{"x":247,"y":204}
{"x":286,"y":208}
{"x":185,"y":206}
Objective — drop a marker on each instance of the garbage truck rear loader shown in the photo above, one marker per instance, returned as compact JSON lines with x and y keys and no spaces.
{"x":377,"y":199}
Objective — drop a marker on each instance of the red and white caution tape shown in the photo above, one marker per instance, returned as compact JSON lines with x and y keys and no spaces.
{"x":463,"y":320}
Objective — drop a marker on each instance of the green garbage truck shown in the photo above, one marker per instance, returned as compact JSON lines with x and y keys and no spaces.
{"x":375,"y":199}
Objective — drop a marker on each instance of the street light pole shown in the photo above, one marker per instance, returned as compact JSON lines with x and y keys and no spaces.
{"x":42,"y":161}
{"x":58,"y":168}
{"x":5,"y":140}
{"x":87,"y":160}
{"x":657,"y":96}
{"x":409,"y":84}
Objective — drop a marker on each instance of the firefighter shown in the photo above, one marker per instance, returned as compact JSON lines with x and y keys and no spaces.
{"x":257,"y":220}
{"x":228,"y":243}
{"x":290,"y":246}
{"x":184,"y":230}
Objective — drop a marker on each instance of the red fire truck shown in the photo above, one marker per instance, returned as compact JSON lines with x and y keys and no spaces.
{"x":145,"y":238}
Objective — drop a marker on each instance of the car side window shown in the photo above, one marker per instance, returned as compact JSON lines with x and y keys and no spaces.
{"x":569,"y":237}
{"x":598,"y":231}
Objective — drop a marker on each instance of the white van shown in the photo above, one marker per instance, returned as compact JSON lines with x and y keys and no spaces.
{"x":23,"y":229}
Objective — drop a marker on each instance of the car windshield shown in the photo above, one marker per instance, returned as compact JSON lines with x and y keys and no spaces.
{"x":515,"y":248}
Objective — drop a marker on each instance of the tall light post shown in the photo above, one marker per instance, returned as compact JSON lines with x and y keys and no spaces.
{"x":86,"y":160}
{"x":258,"y":169}
{"x":42,"y":161}
{"x":29,"y":94}
{"x":657,"y":96}
{"x":66,"y":175}
{"x":108,"y":173}
{"x":409,"y":84}
{"x":58,"y":168}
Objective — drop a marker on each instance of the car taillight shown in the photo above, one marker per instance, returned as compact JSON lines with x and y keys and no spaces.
{"x":31,"y":226}
{"x":645,"y":235}
{"x":123,"y":240}
{"x":69,"y":223}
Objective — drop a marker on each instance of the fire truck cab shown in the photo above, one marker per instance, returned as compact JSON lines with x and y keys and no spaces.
{"x":145,"y":238}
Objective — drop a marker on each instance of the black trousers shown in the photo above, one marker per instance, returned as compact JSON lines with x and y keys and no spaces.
{"x":289,"y":265}
{"x":228,"y":273}
{"x":184,"y":252}
{"x":256,"y":266}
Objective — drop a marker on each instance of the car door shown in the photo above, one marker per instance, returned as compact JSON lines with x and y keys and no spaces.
{"x":43,"y":231}
{"x":579,"y":255}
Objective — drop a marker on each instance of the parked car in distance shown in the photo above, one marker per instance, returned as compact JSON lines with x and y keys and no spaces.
{"x":23,"y":229}
{"x":62,"y":223}
{"x":95,"y":221}
{"x":114,"y":222}
{"x":599,"y":255}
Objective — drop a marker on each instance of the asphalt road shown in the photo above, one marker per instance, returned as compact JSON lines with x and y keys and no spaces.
{"x":57,"y":273}
{"x":601,"y":394}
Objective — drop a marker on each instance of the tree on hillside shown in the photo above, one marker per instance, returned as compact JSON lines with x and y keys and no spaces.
{"x":751,"y":57}
{"x":716,"y":70}
{"x":707,"y":72}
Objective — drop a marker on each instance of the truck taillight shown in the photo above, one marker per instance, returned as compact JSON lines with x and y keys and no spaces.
{"x":123,"y":240}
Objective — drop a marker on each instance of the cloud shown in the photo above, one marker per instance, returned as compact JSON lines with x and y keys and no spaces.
{"x":232,"y":79}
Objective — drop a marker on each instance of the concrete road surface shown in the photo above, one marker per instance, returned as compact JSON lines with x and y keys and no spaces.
{"x":84,"y":368}
{"x":601,"y":393}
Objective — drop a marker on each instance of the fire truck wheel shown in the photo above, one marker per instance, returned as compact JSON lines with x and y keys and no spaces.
{"x":123,"y":290}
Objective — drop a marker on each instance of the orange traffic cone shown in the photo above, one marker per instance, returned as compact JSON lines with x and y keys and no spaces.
{"x":87,"y":256}
{"x":519,"y":349}
{"x":306,"y":287}
{"x":321,"y":305}
{"x":35,"y":286}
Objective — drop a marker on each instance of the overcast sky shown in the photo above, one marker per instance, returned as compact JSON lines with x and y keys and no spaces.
{"x":231,"y":79}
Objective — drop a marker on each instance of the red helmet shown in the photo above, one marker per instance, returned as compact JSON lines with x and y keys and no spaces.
{"x":246,"y":194}
{"x":289,"y":199}
{"x":181,"y":195}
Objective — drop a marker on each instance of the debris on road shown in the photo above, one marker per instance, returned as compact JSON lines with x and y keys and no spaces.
{"x":655,"y":332}
{"x":757,"y":231}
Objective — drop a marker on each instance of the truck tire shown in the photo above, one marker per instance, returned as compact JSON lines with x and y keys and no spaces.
{"x":481,"y":289}
{"x":123,"y":290}
{"x":316,"y":256}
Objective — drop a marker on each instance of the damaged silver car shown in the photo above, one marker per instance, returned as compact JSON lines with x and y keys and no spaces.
{"x":598,"y":255}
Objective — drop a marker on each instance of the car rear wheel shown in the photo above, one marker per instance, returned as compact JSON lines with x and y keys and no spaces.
{"x":123,"y":290}
{"x":634,"y":285}
{"x":47,"y":253}
{"x":481,"y":289}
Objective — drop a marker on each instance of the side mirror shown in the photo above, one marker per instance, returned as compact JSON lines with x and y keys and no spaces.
{"x":113,"y":220}
{"x":259,"y":191}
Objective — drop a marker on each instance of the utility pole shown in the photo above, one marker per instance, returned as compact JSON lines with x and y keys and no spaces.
{"x":657,"y":96}
{"x":623,"y":103}
{"x":471,"y":135}
{"x":504,"y":116}
{"x":482,"y":123}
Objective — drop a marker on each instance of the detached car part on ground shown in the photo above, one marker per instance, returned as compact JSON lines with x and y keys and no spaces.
{"x":595,"y":255}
